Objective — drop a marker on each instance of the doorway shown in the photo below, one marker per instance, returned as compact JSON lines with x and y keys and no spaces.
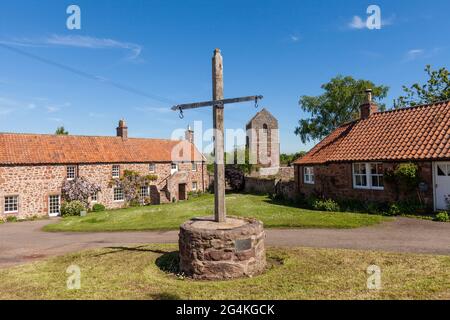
{"x":182,"y":191}
{"x":442,"y":184}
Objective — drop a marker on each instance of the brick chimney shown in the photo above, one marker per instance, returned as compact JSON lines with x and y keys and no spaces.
{"x":368,"y":107}
{"x":189,"y":135}
{"x":122,"y":130}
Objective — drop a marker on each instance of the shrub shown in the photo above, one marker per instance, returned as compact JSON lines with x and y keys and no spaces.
{"x":11,"y":219}
{"x":98,"y":207}
{"x":326,"y":205}
{"x":442,"y":217}
{"x":447,"y":200}
{"x":72,"y":208}
{"x":79,"y":189}
{"x":394,"y":210}
{"x":406,"y":175}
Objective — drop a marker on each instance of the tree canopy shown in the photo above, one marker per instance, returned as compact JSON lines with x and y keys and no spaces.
{"x":338,"y":104}
{"x":61,"y":131}
{"x":437,"y":88}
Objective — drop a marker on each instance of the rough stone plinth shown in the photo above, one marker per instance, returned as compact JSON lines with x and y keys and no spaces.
{"x":218,"y":251}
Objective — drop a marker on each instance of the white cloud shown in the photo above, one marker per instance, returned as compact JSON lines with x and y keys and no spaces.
{"x":294,"y":38}
{"x":88,"y":42}
{"x":55,"y":119}
{"x":414,"y":54}
{"x":357,"y":23}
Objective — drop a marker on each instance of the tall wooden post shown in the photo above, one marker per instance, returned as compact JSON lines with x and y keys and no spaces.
{"x":218,"y":122}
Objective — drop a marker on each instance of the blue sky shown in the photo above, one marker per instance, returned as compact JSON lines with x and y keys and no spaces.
{"x":163,"y":49}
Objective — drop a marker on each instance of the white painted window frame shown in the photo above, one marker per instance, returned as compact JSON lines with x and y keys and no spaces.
{"x":368,"y":176}
{"x":196,"y":185}
{"x":308,"y":175}
{"x":116,"y":171}
{"x":194,"y":167}
{"x":17,"y":204}
{"x":147,"y":192}
{"x":50,"y":213}
{"x":114,"y":195}
{"x":74,"y":168}
{"x":152,"y":167}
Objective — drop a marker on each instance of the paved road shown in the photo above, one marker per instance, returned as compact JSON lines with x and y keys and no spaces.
{"x":24,"y":242}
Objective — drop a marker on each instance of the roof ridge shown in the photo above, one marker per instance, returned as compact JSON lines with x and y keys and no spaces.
{"x":79,"y":136}
{"x":424,"y":105}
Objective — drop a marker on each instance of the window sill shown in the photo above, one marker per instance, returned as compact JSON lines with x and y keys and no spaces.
{"x":368,"y":188}
{"x":11,"y":212}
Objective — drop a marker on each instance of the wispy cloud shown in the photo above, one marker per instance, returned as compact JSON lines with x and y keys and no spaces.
{"x":77,"y":41}
{"x":416,"y":54}
{"x":358,"y":23}
{"x":294,"y":38}
{"x":55,"y":108}
{"x":59,"y":120}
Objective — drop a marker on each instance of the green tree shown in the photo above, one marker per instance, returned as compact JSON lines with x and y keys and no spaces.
{"x":61,"y":131}
{"x":288,"y":159}
{"x":338,"y":104}
{"x":436,"y":89}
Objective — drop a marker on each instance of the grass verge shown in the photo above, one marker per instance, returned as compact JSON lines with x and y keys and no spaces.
{"x":170,"y":216}
{"x":299,"y":273}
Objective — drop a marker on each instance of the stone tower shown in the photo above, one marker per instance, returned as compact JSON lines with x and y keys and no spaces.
{"x":263,"y":140}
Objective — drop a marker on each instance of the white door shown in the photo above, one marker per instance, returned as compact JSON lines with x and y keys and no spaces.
{"x":442,"y":180}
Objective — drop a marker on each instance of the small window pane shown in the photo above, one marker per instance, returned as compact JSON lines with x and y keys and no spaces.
{"x":144,"y":192}
{"x":116,"y":171}
{"x":194,"y":166}
{"x":54,"y":204}
{"x":71,"y":172}
{"x":441,"y":170}
{"x":118,"y":194}
{"x":194,"y":186}
{"x":152,"y":167}
{"x":11,"y":204}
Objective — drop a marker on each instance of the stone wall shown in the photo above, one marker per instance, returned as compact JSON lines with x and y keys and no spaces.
{"x":34,"y":184}
{"x":259,"y":185}
{"x":336,"y":181}
{"x":209,"y":252}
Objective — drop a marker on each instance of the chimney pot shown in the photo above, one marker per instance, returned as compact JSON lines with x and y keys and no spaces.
{"x":368,"y":107}
{"x":122,"y":130}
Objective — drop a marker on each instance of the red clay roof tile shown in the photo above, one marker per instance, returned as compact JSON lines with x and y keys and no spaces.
{"x":416,"y":133}
{"x":27,"y":149}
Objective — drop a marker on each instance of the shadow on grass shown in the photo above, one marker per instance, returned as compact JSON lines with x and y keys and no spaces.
{"x":169,"y":262}
{"x":143,"y":248}
{"x":165,"y":296}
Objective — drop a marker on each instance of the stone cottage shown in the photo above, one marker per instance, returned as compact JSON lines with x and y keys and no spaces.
{"x":263,"y":140}
{"x":33,"y":168}
{"x":352,"y":162}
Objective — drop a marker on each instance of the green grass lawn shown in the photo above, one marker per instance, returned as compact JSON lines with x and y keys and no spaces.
{"x":298,"y":273}
{"x":171,"y":216}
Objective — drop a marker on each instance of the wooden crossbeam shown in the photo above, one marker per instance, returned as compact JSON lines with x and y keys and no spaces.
{"x":214,"y":103}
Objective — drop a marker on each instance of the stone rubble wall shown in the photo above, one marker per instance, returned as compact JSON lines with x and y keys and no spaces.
{"x":34,"y":184}
{"x":215,"y":254}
